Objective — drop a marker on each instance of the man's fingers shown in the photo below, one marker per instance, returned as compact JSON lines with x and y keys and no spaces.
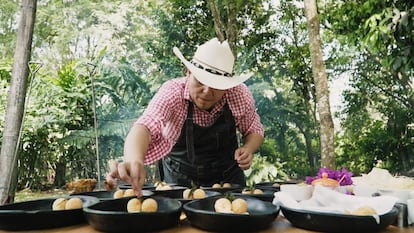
{"x":137,"y":177}
{"x":246,"y":165}
{"x":123,"y":171}
{"x":113,"y":165}
{"x":134,"y":174}
{"x":112,"y":176}
{"x":243,"y":158}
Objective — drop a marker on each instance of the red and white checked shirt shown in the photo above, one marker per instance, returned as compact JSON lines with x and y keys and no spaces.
{"x":165,"y":115}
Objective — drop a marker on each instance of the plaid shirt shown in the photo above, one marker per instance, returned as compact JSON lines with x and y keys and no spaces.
{"x":165,"y":115}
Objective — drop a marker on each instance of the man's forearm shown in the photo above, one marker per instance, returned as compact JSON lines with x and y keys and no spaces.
{"x":253,"y":142}
{"x":136,"y":144}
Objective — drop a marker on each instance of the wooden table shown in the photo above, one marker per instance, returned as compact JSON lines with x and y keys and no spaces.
{"x":280,"y":225}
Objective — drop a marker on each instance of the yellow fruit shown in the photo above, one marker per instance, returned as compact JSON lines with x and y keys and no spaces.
{"x":119,"y":193}
{"x":186,"y":194}
{"x":163,"y":187}
{"x":257,"y":191}
{"x":160,"y":183}
{"x":239,"y":206}
{"x":276,"y":185}
{"x":149,"y":205}
{"x":216,"y":186}
{"x":246,"y":191}
{"x":74,"y":203}
{"x":182,"y":216}
{"x":226,"y":185}
{"x":364,"y":210}
{"x":59,"y":204}
{"x":222,"y":205}
{"x":134,"y":205}
{"x":129,"y":193}
{"x":199,"y":194}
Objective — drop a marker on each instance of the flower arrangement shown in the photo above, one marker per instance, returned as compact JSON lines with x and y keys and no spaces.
{"x":343,"y":176}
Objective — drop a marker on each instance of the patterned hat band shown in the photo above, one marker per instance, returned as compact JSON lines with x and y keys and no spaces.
{"x":212,"y":71}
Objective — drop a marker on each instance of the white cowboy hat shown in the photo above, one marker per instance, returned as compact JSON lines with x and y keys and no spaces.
{"x":212,"y":65}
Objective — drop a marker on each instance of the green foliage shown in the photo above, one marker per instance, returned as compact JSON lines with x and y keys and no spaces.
{"x":47,"y":151}
{"x":127,"y":55}
{"x":262,"y":170}
{"x":59,"y":136}
{"x":378,"y":115}
{"x":121,"y":97}
{"x":5,"y":76}
{"x":378,"y":124}
{"x":8,"y":17}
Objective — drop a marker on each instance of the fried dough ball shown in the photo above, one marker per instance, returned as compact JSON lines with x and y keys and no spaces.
{"x":183,"y":216}
{"x":239,"y":206}
{"x":246,"y":191}
{"x":222,"y":205}
{"x":149,"y":205}
{"x":186,"y":194}
{"x":134,"y":205}
{"x":163,"y":187}
{"x":226,"y":185}
{"x":216,"y":186}
{"x":119,"y":193}
{"x":59,"y":204}
{"x":250,"y":191}
{"x":199,"y":194}
{"x":129,"y":193}
{"x":364,"y":210}
{"x":160,"y":183}
{"x":257,"y":191}
{"x":194,"y":194}
{"x":74,"y":203}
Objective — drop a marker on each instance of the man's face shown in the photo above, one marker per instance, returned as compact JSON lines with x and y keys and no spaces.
{"x":204,"y":97}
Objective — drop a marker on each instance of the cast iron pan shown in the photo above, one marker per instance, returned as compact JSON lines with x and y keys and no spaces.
{"x":178,"y":195}
{"x":333,"y":222}
{"x":146,"y":186}
{"x":38,"y":214}
{"x":233,"y":188}
{"x":112,"y":216}
{"x":273,"y":185}
{"x":268,"y":195}
{"x":173,"y":189}
{"x":201,"y":214}
{"x":104,"y":195}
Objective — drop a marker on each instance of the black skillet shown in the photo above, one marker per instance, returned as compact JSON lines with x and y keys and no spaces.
{"x":112,"y":216}
{"x":335,"y":222}
{"x":38,"y":214}
{"x":201,"y":214}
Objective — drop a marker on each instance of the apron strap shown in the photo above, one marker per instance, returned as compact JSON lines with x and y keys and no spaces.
{"x":160,"y":168}
{"x":189,"y":134}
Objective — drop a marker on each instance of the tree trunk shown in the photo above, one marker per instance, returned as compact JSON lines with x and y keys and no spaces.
{"x":60,"y":173}
{"x":15,"y":104}
{"x":321,"y":86}
{"x":218,"y":25}
{"x":232,"y":26}
{"x":229,"y":31}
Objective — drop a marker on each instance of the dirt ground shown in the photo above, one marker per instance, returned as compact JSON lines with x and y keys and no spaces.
{"x":27,"y":194}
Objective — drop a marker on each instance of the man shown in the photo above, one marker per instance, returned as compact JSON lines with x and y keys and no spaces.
{"x":191,"y":125}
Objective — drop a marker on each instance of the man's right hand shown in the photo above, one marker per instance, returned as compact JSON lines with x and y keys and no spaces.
{"x":131,"y":172}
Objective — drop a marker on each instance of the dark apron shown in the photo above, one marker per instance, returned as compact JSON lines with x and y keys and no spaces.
{"x":204,"y":155}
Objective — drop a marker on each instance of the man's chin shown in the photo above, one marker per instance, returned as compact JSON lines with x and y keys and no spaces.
{"x":204,"y":106}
